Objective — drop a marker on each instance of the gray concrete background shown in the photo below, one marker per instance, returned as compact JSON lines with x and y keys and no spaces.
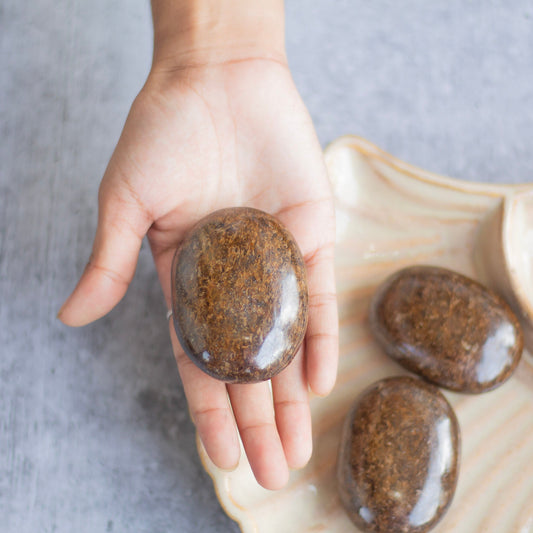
{"x":94,"y":432}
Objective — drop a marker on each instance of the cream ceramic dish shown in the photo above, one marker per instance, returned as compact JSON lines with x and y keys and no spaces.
{"x":391,"y":215}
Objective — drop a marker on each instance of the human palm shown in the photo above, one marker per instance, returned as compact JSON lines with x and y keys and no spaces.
{"x":195,"y":141}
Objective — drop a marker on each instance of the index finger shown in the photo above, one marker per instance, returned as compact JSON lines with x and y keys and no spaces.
{"x":322,"y":337}
{"x":313,"y":227}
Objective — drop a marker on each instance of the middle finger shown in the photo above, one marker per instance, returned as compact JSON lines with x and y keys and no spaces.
{"x":254,"y":414}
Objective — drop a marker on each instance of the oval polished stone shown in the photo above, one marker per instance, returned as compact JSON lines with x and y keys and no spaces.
{"x":399,"y":457}
{"x":447,"y":328}
{"x":239,"y":295}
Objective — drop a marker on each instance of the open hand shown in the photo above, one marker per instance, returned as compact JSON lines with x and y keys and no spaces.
{"x":200,"y":139}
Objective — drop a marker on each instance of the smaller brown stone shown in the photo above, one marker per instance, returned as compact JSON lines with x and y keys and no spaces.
{"x":447,"y":328}
{"x":239,"y":295}
{"x":399,"y":457}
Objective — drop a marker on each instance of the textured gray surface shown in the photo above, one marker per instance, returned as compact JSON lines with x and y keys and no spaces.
{"x":94,"y":432}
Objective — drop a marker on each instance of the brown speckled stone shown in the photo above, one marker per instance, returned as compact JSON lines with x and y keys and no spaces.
{"x":239,"y":295}
{"x":399,"y":457}
{"x":447,"y":328}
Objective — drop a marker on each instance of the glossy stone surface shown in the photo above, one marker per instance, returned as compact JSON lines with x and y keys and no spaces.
{"x":239,"y":291}
{"x":447,"y":328}
{"x":399,"y":457}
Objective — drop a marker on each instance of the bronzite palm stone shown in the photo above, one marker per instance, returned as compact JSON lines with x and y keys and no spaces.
{"x":239,"y":295}
{"x":447,"y":328}
{"x":398,"y":461}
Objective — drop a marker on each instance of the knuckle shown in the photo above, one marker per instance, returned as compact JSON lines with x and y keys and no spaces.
{"x":257,"y":425}
{"x":324,"y":336}
{"x":113,"y":275}
{"x":322,"y":299}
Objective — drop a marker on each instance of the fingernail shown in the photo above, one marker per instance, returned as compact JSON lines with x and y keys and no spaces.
{"x":59,"y":313}
{"x":62,"y":309}
{"x":230,"y":469}
{"x":321,"y":394}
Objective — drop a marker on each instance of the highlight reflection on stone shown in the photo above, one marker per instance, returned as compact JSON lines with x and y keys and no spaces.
{"x":239,"y":295}
{"x":399,"y":457}
{"x":447,"y":328}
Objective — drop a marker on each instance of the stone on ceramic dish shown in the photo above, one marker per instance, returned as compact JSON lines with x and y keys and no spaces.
{"x":447,"y":328}
{"x":391,"y":214}
{"x":399,"y":457}
{"x":239,"y":295}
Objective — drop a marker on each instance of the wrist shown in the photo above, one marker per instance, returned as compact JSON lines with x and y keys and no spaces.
{"x":190,"y":33}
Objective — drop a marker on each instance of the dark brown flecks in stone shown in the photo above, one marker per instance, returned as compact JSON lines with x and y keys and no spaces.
{"x":399,"y":457}
{"x":239,"y":295}
{"x":447,"y":328}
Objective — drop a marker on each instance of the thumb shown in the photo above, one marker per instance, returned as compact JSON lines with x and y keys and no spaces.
{"x":122,"y":224}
